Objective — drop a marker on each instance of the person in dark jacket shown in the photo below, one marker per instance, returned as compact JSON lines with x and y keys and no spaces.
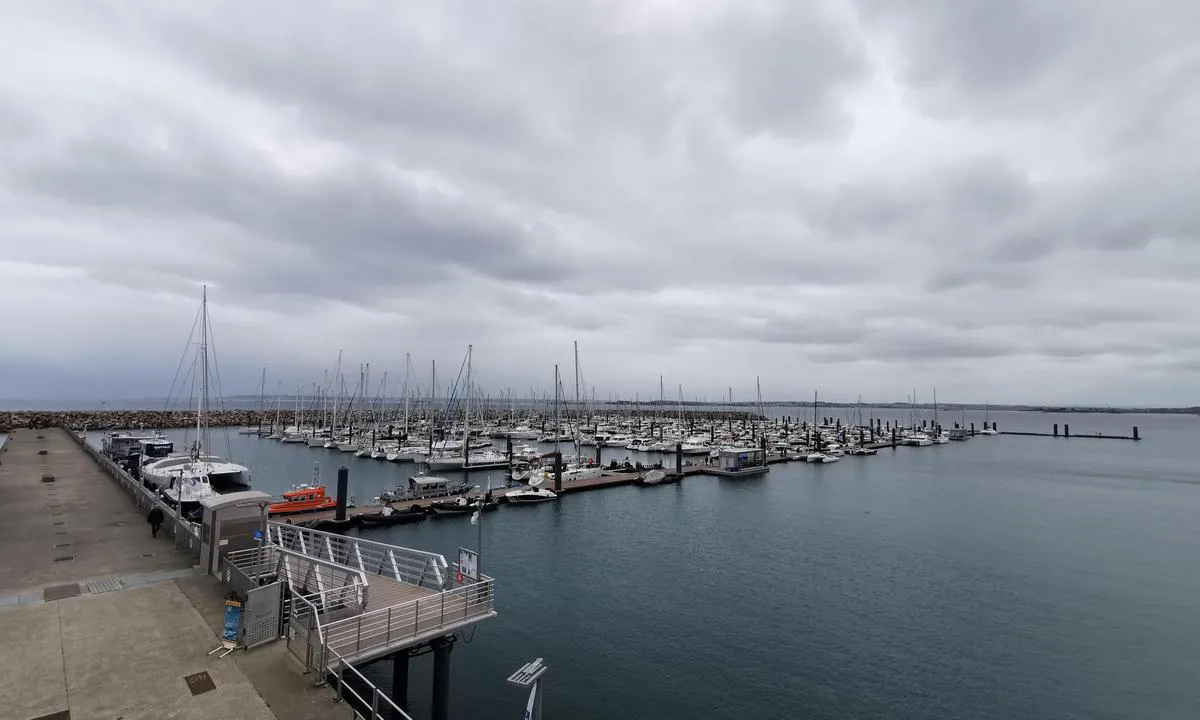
{"x":156,"y":520}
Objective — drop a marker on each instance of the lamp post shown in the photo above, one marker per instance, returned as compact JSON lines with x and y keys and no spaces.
{"x":477,"y":520}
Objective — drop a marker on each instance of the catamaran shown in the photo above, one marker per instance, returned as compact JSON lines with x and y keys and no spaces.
{"x":185,"y":479}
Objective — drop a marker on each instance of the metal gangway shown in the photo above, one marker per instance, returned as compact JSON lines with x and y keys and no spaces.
{"x":345,"y":600}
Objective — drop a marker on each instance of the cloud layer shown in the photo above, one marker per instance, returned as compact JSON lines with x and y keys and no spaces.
{"x":857,"y":196}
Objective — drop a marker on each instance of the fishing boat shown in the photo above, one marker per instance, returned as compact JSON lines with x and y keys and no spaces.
{"x":302,"y":498}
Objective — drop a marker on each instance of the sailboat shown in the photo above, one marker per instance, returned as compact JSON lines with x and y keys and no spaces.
{"x":939,"y":436}
{"x":185,"y":479}
{"x":987,"y":426}
{"x":819,"y":456}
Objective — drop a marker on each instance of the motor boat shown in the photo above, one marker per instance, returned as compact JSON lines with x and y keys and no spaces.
{"x":302,"y":498}
{"x":388,"y":515}
{"x":530,"y":493}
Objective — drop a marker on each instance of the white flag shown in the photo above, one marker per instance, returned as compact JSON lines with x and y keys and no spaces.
{"x":475,"y":517}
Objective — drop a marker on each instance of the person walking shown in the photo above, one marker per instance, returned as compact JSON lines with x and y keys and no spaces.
{"x":155,"y":519}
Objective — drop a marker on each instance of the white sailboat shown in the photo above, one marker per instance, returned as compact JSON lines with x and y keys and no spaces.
{"x":987,"y":426}
{"x":185,"y":480}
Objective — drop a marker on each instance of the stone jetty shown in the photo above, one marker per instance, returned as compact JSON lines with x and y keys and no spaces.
{"x":122,"y":419}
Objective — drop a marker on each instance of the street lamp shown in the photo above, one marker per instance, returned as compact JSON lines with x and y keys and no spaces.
{"x":477,"y":521}
{"x":528,"y":675}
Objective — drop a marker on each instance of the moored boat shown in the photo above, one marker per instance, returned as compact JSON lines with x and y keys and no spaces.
{"x":302,"y":498}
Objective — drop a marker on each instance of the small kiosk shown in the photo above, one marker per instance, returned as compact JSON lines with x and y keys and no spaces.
{"x":741,"y":462}
{"x":234,"y":521}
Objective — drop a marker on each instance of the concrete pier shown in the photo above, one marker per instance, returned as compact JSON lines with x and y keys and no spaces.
{"x":100,"y":620}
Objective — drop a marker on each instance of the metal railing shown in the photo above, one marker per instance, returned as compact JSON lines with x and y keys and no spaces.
{"x":304,"y":626}
{"x":380,"y":631}
{"x":329,"y":585}
{"x":184,"y":533}
{"x":416,"y":567}
{"x":381,"y":706}
{"x":323,"y":663}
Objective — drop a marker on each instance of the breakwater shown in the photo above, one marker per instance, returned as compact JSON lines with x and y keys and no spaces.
{"x":120,"y":419}
{"x":163,"y":419}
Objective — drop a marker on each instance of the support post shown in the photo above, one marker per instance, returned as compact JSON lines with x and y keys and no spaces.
{"x":679,"y":459}
{"x":441,"y":678}
{"x":1055,"y":429}
{"x":1066,"y":430}
{"x":1135,"y":433}
{"x":400,"y":681}
{"x":558,"y":468}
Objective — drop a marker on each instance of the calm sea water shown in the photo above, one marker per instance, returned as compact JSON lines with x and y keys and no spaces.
{"x":1002,"y":577}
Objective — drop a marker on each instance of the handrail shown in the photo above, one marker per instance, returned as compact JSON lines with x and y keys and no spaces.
{"x":416,"y":567}
{"x":377,"y":696}
{"x":338,"y":666}
{"x":184,"y":533}
{"x":383,"y":628}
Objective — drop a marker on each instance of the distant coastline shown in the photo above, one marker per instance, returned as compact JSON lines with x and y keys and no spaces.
{"x":252,"y":402}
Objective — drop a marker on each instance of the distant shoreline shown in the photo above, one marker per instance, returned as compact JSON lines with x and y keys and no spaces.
{"x":246,"y":403}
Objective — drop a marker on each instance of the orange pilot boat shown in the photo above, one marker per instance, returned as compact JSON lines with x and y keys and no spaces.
{"x":303,"y":498}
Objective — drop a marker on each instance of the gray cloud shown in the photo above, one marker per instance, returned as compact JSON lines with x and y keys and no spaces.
{"x":859,"y":197}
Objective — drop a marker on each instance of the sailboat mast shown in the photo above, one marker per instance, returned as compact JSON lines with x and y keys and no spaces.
{"x":467,"y":410}
{"x":557,"y":431}
{"x":407,"y":390}
{"x":204,"y":370}
{"x":758,"y":391}
{"x":262,"y":400}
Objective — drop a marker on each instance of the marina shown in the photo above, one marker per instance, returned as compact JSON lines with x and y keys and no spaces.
{"x":677,"y":509}
{"x":331,"y":529}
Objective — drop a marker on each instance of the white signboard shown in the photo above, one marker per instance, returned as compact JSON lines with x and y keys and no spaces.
{"x":468,"y":563}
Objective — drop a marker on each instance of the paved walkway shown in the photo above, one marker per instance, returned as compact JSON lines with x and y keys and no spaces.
{"x":94,"y":614}
{"x":124,"y":654}
{"x":62,"y":519}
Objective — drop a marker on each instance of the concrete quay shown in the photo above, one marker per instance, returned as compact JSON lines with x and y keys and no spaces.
{"x":101,"y":620}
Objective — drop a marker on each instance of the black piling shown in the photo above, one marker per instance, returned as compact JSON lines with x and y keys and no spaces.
{"x":558,"y":469}
{"x":441,"y":678}
{"x":343,"y":489}
{"x":1066,"y":430}
{"x":679,"y":459}
{"x":400,"y":682}
{"x":1135,"y":433}
{"x":1055,"y":433}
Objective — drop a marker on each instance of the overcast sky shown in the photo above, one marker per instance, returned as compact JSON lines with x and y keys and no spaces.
{"x":996,"y":199}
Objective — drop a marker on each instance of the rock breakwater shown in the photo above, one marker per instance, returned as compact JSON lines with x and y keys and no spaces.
{"x":122,"y":419}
